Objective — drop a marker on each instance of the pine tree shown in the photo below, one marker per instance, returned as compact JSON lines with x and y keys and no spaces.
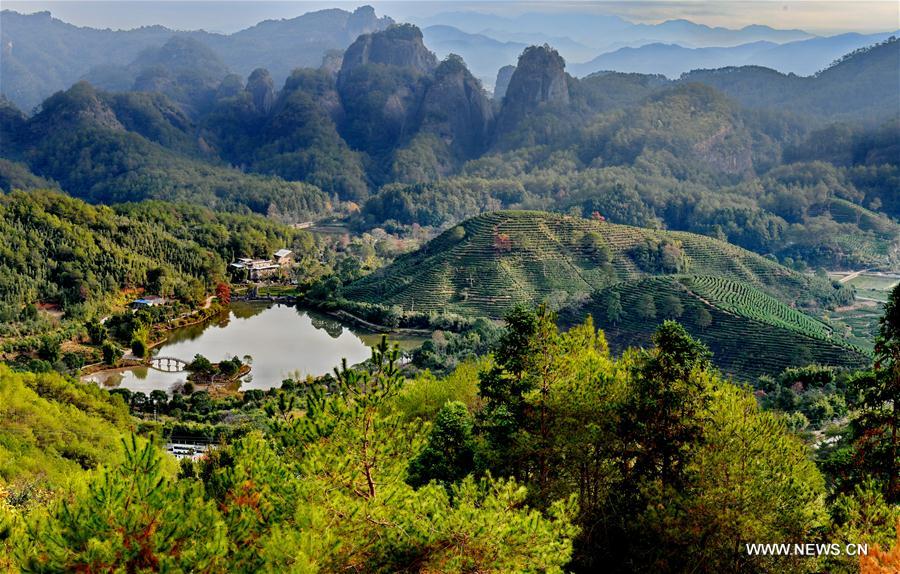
{"x":449,"y":454}
{"x":881,"y":400}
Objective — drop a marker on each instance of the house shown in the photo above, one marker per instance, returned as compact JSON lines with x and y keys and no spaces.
{"x":148,"y":301}
{"x":257,"y":268}
{"x":284,"y":257}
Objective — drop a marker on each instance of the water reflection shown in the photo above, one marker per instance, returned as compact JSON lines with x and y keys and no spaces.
{"x":283,"y":341}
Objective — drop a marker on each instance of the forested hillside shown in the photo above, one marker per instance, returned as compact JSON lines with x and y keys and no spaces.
{"x":131,"y":158}
{"x":51,"y":429}
{"x":853,"y":87}
{"x":58,"y":250}
{"x":407,"y":140}
{"x":585,"y":459}
{"x":642,"y":323}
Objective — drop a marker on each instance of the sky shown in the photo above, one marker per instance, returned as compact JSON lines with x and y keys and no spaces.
{"x":822,"y":17}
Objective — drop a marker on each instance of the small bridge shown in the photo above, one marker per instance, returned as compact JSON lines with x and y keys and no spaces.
{"x":168,"y":364}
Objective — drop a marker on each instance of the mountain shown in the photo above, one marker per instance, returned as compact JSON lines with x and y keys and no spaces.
{"x":861,"y":86}
{"x":807,"y":57}
{"x":669,"y":60}
{"x":292,"y":134}
{"x":802,"y":57}
{"x":184,"y":69}
{"x":700,"y":35}
{"x":280,"y":46}
{"x":456,"y":110}
{"x":484,"y":54}
{"x":538,"y":87}
{"x":392,"y":134}
{"x":42,"y":55}
{"x":130,"y":148}
{"x":504,"y":75}
{"x":575,"y":33}
{"x":379,"y":86}
{"x":486,"y":265}
{"x":416,"y":118}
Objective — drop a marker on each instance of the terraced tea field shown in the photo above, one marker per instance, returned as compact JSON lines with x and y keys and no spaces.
{"x":749,"y":332}
{"x":740,"y":304}
{"x":859,"y":322}
{"x":488,"y":263}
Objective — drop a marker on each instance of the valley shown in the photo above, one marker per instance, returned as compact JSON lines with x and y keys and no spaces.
{"x":545,"y":288}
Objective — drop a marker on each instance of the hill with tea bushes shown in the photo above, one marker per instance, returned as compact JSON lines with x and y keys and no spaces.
{"x":740,"y":304}
{"x":750,"y":333}
{"x":489,"y":263}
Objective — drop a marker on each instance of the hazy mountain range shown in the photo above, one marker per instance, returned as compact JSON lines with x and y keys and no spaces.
{"x":802,"y":57}
{"x":42,"y":55}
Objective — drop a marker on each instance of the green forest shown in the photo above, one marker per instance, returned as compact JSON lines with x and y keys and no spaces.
{"x":618,"y":323}
{"x":552,"y":455}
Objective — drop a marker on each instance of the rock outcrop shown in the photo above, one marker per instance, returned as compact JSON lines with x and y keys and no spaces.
{"x":400,"y":46}
{"x":538,"y":85}
{"x":380,"y":84}
{"x":539,"y":77}
{"x":261,"y":89}
{"x":504,"y":75}
{"x":456,"y":108}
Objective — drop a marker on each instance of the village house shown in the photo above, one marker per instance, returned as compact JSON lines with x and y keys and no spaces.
{"x":257,"y":268}
{"x":284,"y":257}
{"x":148,"y":301}
{"x":264,"y":268}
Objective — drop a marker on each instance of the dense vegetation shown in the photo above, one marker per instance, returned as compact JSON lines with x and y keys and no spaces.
{"x":51,"y":428}
{"x":737,"y":302}
{"x":690,"y":220}
{"x":58,"y":250}
{"x":120,"y":161}
{"x":519,"y":465}
{"x":416,"y":142}
{"x":747,"y":330}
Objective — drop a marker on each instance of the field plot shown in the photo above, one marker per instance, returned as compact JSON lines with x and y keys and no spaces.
{"x":859,"y":322}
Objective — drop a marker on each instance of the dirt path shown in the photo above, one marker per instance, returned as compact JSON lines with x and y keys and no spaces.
{"x":852,"y":276}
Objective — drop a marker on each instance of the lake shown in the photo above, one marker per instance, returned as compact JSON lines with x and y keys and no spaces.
{"x":284,"y":342}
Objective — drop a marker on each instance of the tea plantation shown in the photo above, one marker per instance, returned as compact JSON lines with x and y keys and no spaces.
{"x":749,"y":332}
{"x":744,"y":306}
{"x":485,"y":265}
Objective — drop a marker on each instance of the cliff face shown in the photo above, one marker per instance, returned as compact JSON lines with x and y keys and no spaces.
{"x":399,"y":46}
{"x":380,"y":85}
{"x":504,"y":75}
{"x":456,"y":109}
{"x":539,"y":77}
{"x":539,"y":83}
{"x":364,"y":21}
{"x":261,"y":89}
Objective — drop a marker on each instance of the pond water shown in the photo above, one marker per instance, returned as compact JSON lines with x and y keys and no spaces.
{"x":283,"y":341}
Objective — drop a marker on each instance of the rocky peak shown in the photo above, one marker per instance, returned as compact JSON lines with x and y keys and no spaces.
{"x":364,"y":21}
{"x":456,"y":108}
{"x":539,"y":77}
{"x":183,"y":54}
{"x":232,"y":85}
{"x":79,"y":104}
{"x":504,"y":75}
{"x":262,"y":89}
{"x":400,"y":45}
